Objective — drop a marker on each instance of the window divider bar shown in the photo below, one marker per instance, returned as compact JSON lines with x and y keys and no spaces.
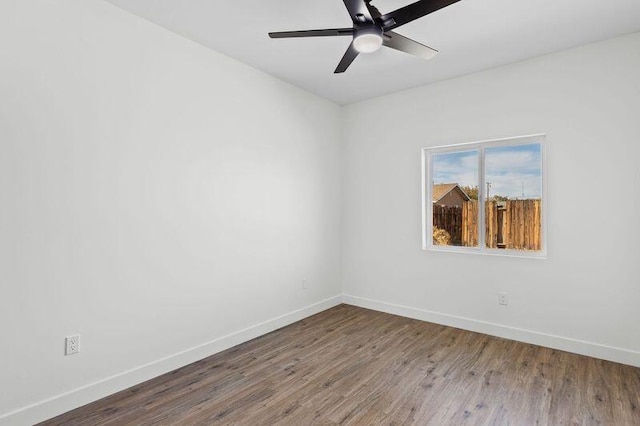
{"x":481,"y":202}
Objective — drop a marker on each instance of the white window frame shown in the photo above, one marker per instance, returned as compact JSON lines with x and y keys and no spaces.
{"x":481,"y":146}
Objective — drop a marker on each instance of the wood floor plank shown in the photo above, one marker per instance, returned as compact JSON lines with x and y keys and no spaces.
{"x":355,"y":366}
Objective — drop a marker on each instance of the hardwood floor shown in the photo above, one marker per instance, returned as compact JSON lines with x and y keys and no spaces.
{"x":350,"y":365}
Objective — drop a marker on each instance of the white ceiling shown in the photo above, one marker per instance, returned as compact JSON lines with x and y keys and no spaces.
{"x":471,"y":35}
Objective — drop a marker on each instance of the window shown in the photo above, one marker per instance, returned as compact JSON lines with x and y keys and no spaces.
{"x":505,"y":177}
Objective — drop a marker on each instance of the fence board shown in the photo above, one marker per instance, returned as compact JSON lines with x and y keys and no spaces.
{"x":470,"y":224}
{"x":512,"y":224}
{"x":449,"y":218}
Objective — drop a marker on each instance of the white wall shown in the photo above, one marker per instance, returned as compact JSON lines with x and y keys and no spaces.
{"x":154,"y":196}
{"x":585,"y":297}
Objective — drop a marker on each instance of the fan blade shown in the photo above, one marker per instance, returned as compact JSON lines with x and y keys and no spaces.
{"x":412,"y":12}
{"x":313,"y":33}
{"x":359,"y":11}
{"x":347,"y":59}
{"x":404,"y":44}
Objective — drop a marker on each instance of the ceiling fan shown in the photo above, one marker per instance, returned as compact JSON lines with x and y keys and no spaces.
{"x":371,"y":29}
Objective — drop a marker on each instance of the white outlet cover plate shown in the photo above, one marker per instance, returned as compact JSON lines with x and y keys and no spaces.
{"x":503,"y":298}
{"x":72,"y":344}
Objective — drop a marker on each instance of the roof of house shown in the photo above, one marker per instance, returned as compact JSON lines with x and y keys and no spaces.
{"x":442,"y":189}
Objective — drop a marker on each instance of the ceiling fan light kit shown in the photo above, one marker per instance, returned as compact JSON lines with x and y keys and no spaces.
{"x":372,"y":30}
{"x":368,"y":40}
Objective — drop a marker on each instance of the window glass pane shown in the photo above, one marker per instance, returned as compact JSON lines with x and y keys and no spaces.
{"x":454,"y":192}
{"x":513,"y":185}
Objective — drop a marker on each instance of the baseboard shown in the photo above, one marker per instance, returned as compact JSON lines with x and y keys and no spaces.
{"x":75,"y":398}
{"x":609,"y":353}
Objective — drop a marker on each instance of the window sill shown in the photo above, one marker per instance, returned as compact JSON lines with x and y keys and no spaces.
{"x":487,"y":252}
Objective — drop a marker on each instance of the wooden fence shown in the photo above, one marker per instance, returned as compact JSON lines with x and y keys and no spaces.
{"x":513,"y":224}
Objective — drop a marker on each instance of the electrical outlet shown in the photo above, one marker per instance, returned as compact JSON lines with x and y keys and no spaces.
{"x":304,"y":284}
{"x":503,"y":298}
{"x":72,"y":344}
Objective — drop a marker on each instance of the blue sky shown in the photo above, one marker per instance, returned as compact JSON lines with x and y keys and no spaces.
{"x":510,"y":169}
